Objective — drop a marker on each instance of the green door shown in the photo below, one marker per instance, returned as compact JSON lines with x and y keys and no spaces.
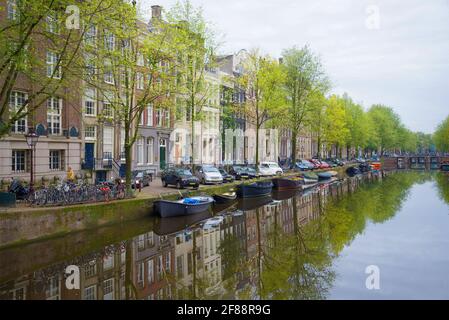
{"x":162,"y":154}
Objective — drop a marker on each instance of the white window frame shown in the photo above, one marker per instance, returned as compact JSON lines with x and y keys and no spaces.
{"x":140,"y":151}
{"x":14,"y":105}
{"x":90,"y":293}
{"x":140,"y":79}
{"x":12,"y":10}
{"x":52,"y":62}
{"x":150,"y":150}
{"x":150,"y":271}
{"x":90,"y":132}
{"x":55,"y":160}
{"x":91,"y":99}
{"x":109,"y":41}
{"x":108,"y":136}
{"x":14,"y":162}
{"x":150,"y":115}
{"x":89,"y":36}
{"x":108,"y":284}
{"x":52,"y":23}
{"x":54,"y":115}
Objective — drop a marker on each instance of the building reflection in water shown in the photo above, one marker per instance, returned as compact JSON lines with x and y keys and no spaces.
{"x":279,"y":250}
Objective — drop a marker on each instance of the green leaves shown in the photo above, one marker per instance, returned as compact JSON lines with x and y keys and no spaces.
{"x":441,"y":136}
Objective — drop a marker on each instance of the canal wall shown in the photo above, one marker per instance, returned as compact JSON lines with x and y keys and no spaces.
{"x":22,"y":225}
{"x":413,"y":163}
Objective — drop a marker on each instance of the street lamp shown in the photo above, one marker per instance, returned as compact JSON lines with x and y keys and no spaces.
{"x":32,"y":139}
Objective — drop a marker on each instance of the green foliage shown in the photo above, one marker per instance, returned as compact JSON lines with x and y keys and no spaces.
{"x":441,"y":136}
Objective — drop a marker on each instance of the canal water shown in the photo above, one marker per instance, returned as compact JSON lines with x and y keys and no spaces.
{"x":367,"y":237}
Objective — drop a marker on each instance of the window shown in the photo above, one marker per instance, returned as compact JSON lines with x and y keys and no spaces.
{"x":108,"y":75}
{"x":180,"y":266}
{"x":53,"y":67}
{"x":158,"y":117}
{"x":150,"y":115}
{"x":108,"y":289}
{"x":52,"y":23}
{"x":90,"y":132}
{"x":19,"y":160}
{"x":168,"y":262}
{"x":159,"y":267}
{"x":189,"y":263}
{"x":90,"y":106}
{"x":54,"y":106}
{"x":90,"y":269}
{"x":108,"y":142}
{"x":140,"y":150}
{"x":12,"y":10}
{"x":18,"y":294}
{"x":150,"y":150}
{"x":90,"y":293}
{"x":17,"y":101}
{"x":56,"y":160}
{"x":167,"y":118}
{"x":109,"y":41}
{"x":150,"y":266}
{"x":108,"y":262}
{"x":90,"y":65}
{"x":140,"y":80}
{"x":122,"y":144}
{"x":52,"y":291}
{"x":140,"y":273}
{"x":107,"y":105}
{"x":90,"y":34}
{"x":140,"y":59}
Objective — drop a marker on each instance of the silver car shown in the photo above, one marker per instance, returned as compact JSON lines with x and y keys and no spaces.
{"x":208,"y":174}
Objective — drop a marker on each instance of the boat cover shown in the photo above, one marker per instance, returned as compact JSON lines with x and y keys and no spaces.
{"x":191,"y":201}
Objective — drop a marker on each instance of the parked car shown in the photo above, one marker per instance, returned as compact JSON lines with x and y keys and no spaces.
{"x":316,"y":163}
{"x":251,"y":171}
{"x":269,"y":169}
{"x":208,"y":174}
{"x":179,"y":177}
{"x":303,"y":165}
{"x":238,"y":172}
{"x":332,"y":162}
{"x":226,"y":176}
{"x":324,"y":165}
{"x":140,"y":179}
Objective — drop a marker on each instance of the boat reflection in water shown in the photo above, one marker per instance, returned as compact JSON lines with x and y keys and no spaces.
{"x":241,"y":257}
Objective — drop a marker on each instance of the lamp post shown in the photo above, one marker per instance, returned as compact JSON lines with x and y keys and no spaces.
{"x":32,"y":139}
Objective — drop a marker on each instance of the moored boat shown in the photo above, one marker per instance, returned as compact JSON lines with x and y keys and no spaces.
{"x":287,"y":183}
{"x":255,"y":189}
{"x":444,"y":167}
{"x":187,"y":206}
{"x":225,"y":197}
{"x":308,"y":186}
{"x":325,"y":175}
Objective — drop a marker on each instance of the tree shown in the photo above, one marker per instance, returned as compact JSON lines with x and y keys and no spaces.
{"x":304,"y":76}
{"x":33,"y":29}
{"x":386,"y":126}
{"x":335,"y":130}
{"x":133,"y":70}
{"x":359,"y":128}
{"x":441,"y":136}
{"x":318,"y":119}
{"x":265,"y":96}
{"x":197,"y":49}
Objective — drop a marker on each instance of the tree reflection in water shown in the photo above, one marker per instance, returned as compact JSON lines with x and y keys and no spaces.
{"x":283,"y":250}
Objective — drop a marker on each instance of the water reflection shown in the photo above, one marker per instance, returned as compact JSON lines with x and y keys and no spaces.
{"x":275,"y":250}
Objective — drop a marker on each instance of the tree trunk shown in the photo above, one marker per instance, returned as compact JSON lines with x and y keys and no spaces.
{"x":257,"y":145}
{"x":128,"y":167}
{"x":192,"y":133}
{"x":294,"y":146}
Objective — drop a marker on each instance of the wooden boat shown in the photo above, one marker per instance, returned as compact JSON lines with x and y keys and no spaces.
{"x":310,"y":177}
{"x":352,"y":171}
{"x":287,"y":183}
{"x":183,"y":207}
{"x":225,"y":197}
{"x":255,"y":189}
{"x":324,"y":175}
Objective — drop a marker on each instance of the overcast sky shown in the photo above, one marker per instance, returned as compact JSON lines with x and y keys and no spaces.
{"x":400,"y":59}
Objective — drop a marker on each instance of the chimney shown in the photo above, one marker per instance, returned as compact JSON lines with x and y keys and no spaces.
{"x":156,"y":12}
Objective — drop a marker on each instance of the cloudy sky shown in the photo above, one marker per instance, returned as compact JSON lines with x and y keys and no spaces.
{"x":394,"y":52}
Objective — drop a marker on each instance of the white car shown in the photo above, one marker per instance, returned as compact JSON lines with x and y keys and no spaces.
{"x":270,"y":169}
{"x":213,"y":222}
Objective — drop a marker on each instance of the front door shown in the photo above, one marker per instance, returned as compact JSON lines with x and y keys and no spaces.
{"x":89,"y":155}
{"x":162,"y":153}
